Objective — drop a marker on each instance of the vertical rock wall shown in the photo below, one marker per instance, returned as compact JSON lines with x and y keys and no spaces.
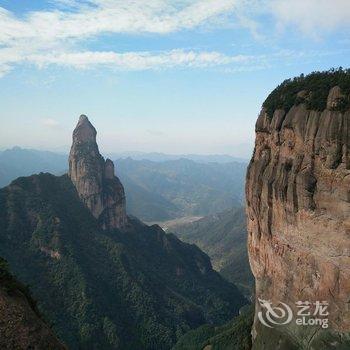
{"x":298,"y":212}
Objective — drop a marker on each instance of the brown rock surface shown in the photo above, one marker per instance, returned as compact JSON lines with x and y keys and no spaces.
{"x":298,"y":209}
{"x":94,"y":178}
{"x":20,"y":326}
{"x":334,"y":97}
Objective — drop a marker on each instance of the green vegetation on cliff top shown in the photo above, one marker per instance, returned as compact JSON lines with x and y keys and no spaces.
{"x":316,"y":86}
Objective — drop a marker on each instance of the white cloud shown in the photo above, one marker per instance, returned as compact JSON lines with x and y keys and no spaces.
{"x":156,"y":133}
{"x":112,"y":16}
{"x":268,"y":19}
{"x":137,"y":60}
{"x":4,"y":69}
{"x":145,"y":60}
{"x":56,"y":36}
{"x":313,"y":17}
{"x":50,"y":123}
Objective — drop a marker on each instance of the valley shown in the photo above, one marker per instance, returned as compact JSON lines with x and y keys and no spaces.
{"x":104,"y":279}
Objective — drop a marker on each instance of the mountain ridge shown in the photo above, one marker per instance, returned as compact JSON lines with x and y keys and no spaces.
{"x":134,"y":287}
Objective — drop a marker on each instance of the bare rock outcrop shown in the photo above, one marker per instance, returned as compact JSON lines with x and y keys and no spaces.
{"x":94,"y":178}
{"x":298,"y":220}
{"x":21,"y":325}
{"x":334,"y":97}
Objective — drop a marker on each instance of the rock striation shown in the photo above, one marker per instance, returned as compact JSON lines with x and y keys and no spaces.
{"x":94,"y":178}
{"x":298,"y":210}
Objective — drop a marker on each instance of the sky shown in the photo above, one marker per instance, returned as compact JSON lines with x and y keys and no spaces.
{"x":179,"y":76}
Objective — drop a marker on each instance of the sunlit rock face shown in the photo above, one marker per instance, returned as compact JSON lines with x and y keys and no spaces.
{"x":94,"y":178}
{"x":298,"y":218}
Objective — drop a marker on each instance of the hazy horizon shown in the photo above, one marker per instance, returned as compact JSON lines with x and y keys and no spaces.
{"x":132,"y":153}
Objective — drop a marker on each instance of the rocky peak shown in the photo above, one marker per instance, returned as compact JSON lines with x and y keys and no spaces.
{"x":94,"y":178}
{"x":334,"y":97}
{"x":84,"y":131}
{"x":109,"y":169}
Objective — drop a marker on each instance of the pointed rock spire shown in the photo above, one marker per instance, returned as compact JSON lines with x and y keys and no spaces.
{"x":93,"y":177}
{"x":84,"y":131}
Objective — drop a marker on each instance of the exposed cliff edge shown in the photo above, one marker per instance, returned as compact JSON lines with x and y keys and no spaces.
{"x":298,"y":206}
{"x":21,"y":326}
{"x":94,"y":178}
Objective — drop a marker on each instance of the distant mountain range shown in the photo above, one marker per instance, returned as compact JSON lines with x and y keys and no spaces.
{"x":159,"y":191}
{"x":155,"y":190}
{"x":18,"y":161}
{"x":162,"y":157}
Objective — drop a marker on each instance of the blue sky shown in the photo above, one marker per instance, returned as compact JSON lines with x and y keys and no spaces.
{"x":178,"y":76}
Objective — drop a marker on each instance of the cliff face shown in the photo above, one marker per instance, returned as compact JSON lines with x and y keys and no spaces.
{"x":98,"y":187}
{"x":298,"y":206}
